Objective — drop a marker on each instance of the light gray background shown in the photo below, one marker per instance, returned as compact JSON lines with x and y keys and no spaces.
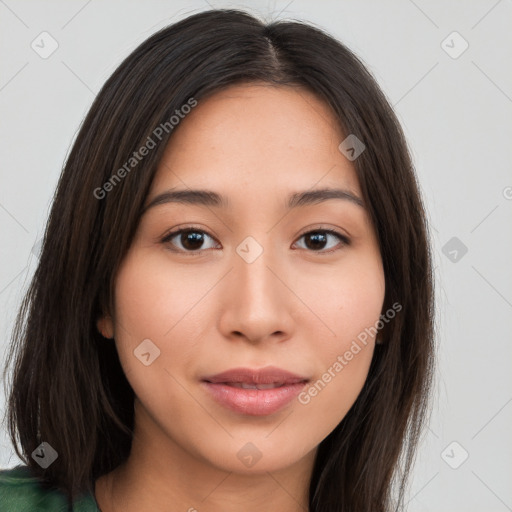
{"x":455,"y":113}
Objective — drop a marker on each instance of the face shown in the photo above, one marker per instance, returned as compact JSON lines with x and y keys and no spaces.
{"x":254,"y":283}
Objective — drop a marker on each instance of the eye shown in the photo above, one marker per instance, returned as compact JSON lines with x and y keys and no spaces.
{"x":317,"y":239}
{"x":190,"y":239}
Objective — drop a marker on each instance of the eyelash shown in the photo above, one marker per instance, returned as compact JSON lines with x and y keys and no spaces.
{"x":345,"y":241}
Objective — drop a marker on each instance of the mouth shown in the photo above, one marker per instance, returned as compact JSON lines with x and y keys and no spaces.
{"x":254,"y":392}
{"x":247,"y":385}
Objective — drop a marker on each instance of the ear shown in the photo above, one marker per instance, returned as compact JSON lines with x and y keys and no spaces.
{"x":105,"y":326}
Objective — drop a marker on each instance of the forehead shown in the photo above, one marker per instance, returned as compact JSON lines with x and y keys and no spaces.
{"x":257,"y":137}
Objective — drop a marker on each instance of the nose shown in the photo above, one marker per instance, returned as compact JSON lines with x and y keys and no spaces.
{"x":256,"y":302}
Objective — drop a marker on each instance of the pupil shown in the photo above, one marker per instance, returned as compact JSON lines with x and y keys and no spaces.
{"x":188,"y":238}
{"x":316,"y":237}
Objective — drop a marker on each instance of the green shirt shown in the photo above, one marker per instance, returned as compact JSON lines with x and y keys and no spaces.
{"x":20,"y":491}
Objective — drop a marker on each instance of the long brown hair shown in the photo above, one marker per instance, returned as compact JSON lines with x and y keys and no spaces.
{"x":68,"y":387}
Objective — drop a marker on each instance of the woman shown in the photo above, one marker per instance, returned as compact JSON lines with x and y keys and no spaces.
{"x":233,"y":308}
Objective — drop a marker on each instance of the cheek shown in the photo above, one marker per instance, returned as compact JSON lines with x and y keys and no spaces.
{"x":348,"y":299}
{"x":156,"y":302}
{"x":327,"y":399}
{"x":153,"y":296}
{"x":350,"y":305}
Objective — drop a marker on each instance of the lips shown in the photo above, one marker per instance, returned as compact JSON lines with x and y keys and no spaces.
{"x":246,"y":385}
{"x":254,"y":392}
{"x":267,"y":375}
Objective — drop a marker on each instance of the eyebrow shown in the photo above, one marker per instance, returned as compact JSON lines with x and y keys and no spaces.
{"x":213,"y":199}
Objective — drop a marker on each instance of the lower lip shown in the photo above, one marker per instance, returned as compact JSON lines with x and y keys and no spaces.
{"x":254,"y":402}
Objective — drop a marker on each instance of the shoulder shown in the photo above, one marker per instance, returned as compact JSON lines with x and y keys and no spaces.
{"x":21,"y":491}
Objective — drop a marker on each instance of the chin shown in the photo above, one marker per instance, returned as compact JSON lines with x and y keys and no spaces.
{"x":258,"y":456}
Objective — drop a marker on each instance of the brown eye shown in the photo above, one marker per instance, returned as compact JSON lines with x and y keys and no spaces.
{"x":188,"y":240}
{"x":317,"y":240}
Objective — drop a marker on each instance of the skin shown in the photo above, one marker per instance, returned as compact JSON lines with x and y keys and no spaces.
{"x":296,"y":306}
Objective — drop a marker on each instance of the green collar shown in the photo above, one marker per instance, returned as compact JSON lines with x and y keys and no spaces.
{"x":20,"y":490}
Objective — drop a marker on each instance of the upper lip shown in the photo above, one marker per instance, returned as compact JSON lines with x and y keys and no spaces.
{"x":267,"y":375}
